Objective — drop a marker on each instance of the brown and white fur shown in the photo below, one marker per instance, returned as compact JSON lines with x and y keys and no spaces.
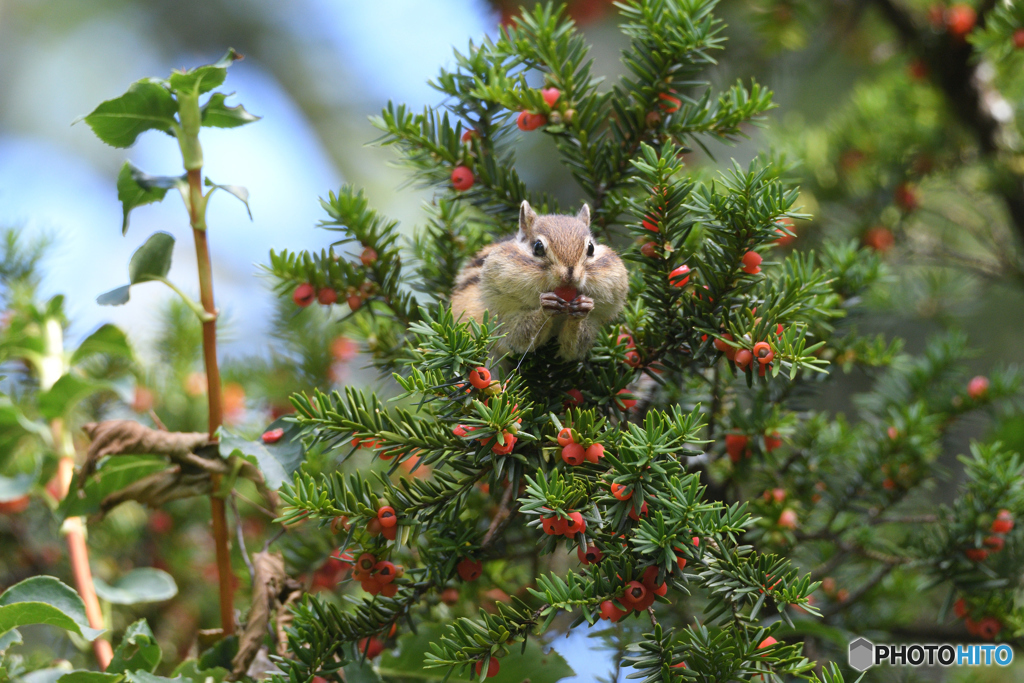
{"x":514,"y":281}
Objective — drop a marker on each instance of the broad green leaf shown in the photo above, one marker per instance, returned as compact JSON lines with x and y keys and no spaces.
{"x":85,"y":676}
{"x":108,"y":340}
{"x":277,"y":461}
{"x":151,"y":261}
{"x":190,"y":671}
{"x":113,"y":475}
{"x":203,"y":78}
{"x":12,"y":637}
{"x":138,"y":649}
{"x":238,"y":191}
{"x":147,"y":105}
{"x":48,"y":675}
{"x":15,"y":487}
{"x":145,"y":584}
{"x":115,"y":297}
{"x":44,"y":600}
{"x":216,"y":114}
{"x":135,"y":188}
{"x":65,"y":394}
{"x":534,"y":665}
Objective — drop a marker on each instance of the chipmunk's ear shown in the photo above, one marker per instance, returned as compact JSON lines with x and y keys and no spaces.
{"x":584,"y":214}
{"x":527,"y":220}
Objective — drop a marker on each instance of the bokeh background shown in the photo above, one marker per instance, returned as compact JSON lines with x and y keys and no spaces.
{"x":315,"y":70}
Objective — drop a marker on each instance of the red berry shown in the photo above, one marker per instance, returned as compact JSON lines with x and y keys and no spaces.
{"x":751,"y":263}
{"x":892,"y":433}
{"x":763,"y":352}
{"x":635,"y":592}
{"x":528,"y":121}
{"x":384,"y":572}
{"x":371,"y":646}
{"x":669,"y":103}
{"x":594,"y":453}
{"x":772,"y":441}
{"x":1018,"y":39}
{"x":649,"y":249}
{"x":387,"y":516}
{"x":589,"y":555}
{"x":787,"y":520}
{"x":743,"y":359}
{"x":510,"y":443}
{"x":469,"y":569}
{"x":960,"y":608}
{"x":723,"y":344}
{"x":971,"y":625}
{"x":560,"y":525}
{"x":879,"y":238}
{"x":610,"y":612}
{"x":632,"y":359}
{"x":906,"y":196}
{"x":354,"y":301}
{"x":450,"y":596}
{"x":976,"y":554}
{"x":680,"y":276}
{"x":273,"y":435}
{"x":550,"y":95}
{"x":625,"y":403}
{"x":1003,"y":523}
{"x":492,"y":667}
{"x":626,"y":340}
{"x":369,"y":256}
{"x":960,"y":20}
{"x":650,"y":223}
{"x":480,"y":378}
{"x":468,"y":135}
{"x":977,"y":387}
{"x":634,"y":516}
{"x":767,"y":642}
{"x":736,"y":446}
{"x":303,"y":295}
{"x":575,"y":399}
{"x":565,"y":293}
{"x":989,"y":628}
{"x":565,"y":437}
{"x":996,"y":543}
{"x":574,"y":524}
{"x":462,"y":178}
{"x":573,"y":454}
{"x":548,"y":525}
{"x":621,"y":492}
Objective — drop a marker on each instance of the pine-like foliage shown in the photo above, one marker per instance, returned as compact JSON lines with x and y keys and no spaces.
{"x":690,"y":437}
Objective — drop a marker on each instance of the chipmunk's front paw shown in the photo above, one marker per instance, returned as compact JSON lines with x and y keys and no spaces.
{"x":581,"y":306}
{"x":552,"y":303}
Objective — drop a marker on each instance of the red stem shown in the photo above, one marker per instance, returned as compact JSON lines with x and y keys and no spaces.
{"x":218,"y":511}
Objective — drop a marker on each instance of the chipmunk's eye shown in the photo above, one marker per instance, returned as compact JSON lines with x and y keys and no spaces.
{"x":590,"y":249}
{"x":538,"y":248}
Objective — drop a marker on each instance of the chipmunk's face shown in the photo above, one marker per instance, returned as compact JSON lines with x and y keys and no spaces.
{"x":561,"y":247}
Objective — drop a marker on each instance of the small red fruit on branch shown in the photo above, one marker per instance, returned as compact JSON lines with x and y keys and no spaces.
{"x":550,"y":95}
{"x":326,"y":296}
{"x":680,"y":276}
{"x":480,"y":378}
{"x":528,"y":121}
{"x":469,"y":570}
{"x":462,"y":178}
{"x":751,"y":263}
{"x":977,"y":388}
{"x":303,"y":295}
{"x":493,"y":667}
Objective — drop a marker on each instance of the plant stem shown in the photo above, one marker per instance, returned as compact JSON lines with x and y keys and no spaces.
{"x":51,"y":368}
{"x":218,"y":512}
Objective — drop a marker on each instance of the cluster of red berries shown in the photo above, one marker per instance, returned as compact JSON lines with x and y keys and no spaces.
{"x":636,"y":595}
{"x":480,"y":379}
{"x":528,"y":120}
{"x":385,"y":523}
{"x":377,"y":577}
{"x":736,"y":445}
{"x":986,"y":627}
{"x":573,"y":453}
{"x":623,"y":492}
{"x":1002,"y":525}
{"x":305,"y":294}
{"x":567,"y":526}
{"x":632,"y":358}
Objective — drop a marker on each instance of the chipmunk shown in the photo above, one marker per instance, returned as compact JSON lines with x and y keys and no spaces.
{"x":551,"y":279}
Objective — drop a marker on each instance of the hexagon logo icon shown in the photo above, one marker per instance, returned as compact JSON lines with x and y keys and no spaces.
{"x":862,"y":654}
